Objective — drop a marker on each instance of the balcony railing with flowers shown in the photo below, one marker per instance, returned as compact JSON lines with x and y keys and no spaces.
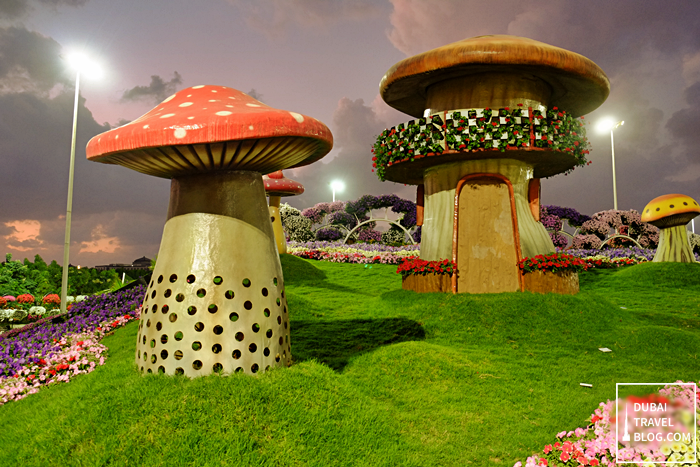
{"x":469,"y":130}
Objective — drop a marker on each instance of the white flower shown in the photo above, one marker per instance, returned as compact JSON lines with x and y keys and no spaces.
{"x":37,"y":310}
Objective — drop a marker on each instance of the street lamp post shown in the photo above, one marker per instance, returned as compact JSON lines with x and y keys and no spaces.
{"x":605,"y":125}
{"x":81,"y":65}
{"x":337,"y":185}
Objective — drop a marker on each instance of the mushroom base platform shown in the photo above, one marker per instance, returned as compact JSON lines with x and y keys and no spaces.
{"x":216,"y":302}
{"x":427,"y":283}
{"x":565,"y":283}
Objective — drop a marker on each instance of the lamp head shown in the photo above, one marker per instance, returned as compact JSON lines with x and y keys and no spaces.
{"x":337,"y":185}
{"x":608,"y":124}
{"x":84,"y":65}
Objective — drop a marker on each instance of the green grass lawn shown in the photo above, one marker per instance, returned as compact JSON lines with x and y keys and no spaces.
{"x":381,"y":377}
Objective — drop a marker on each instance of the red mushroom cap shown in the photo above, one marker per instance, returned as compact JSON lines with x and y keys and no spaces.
{"x":207,"y":128}
{"x":277,"y":185}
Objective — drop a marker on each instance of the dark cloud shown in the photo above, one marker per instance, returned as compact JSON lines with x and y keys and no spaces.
{"x":156,"y":91}
{"x":35,"y":141}
{"x":275,"y":17}
{"x":683,"y":124}
{"x":13,"y":9}
{"x":29,"y":61}
{"x":255,"y":95}
{"x":355,"y":128}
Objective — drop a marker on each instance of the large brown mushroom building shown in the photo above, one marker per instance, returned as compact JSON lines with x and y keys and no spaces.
{"x":488,"y":99}
{"x":216,"y":302}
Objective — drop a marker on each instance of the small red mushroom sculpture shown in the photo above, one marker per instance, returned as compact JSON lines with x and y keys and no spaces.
{"x":217,"y":301}
{"x":277,"y":186}
{"x":671,"y":213}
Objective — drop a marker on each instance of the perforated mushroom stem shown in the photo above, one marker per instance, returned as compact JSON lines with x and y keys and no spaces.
{"x":671,"y":213}
{"x":277,"y":186}
{"x":217,"y":300}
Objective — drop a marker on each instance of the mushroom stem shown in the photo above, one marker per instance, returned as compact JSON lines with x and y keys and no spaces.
{"x":440,"y":183}
{"x":277,"y":224}
{"x":674,"y":246}
{"x":491,"y":89}
{"x":218,"y":277}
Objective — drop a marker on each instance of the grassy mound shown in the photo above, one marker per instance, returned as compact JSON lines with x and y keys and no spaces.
{"x":382,"y":376}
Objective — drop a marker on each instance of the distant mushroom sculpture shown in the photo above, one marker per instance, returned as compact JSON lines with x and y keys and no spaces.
{"x":277,"y":186}
{"x":481,"y":142}
{"x":217,"y":301}
{"x":671,"y":213}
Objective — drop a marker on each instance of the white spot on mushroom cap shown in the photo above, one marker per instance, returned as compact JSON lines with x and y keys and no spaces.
{"x":223,"y":113}
{"x":298,"y":117}
{"x":116,"y":137}
{"x":190,"y":118}
{"x":200,"y":86}
{"x":168,"y":99}
{"x":252,"y":105}
{"x":250,"y":127}
{"x":189,"y":95}
{"x":180,"y":133}
{"x":145,"y":126}
{"x":167,"y":115}
{"x":230,"y":106}
{"x":185,"y":104}
{"x":214,"y":90}
{"x":213,"y":100}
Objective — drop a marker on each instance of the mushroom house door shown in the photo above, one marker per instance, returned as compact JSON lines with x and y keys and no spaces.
{"x":487,"y":258}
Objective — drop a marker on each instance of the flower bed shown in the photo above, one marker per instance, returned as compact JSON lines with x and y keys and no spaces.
{"x":72,"y":355}
{"x":612,"y":253}
{"x":596,"y":443}
{"x":481,"y":129}
{"x":35,"y":348}
{"x":555,"y":262}
{"x":426,"y":276}
{"x":553,"y":273}
{"x":359,"y":253}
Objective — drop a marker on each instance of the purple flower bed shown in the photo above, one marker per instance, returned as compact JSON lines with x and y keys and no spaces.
{"x":26,"y":346}
{"x":613,"y":253}
{"x":371,"y":247}
{"x":575,"y":218}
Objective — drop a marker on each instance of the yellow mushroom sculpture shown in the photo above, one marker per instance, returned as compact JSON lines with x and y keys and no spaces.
{"x":671,"y":213}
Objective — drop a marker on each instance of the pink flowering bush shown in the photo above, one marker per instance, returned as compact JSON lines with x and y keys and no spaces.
{"x":604,"y":224}
{"x":596,"y":443}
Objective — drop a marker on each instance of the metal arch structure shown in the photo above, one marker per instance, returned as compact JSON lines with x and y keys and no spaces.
{"x":373,"y":219}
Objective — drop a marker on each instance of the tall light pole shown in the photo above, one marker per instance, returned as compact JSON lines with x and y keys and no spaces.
{"x":81,"y":65}
{"x":605,"y":125}
{"x":337,"y":185}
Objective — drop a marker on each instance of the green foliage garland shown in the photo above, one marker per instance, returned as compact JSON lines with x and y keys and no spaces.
{"x":481,"y":129}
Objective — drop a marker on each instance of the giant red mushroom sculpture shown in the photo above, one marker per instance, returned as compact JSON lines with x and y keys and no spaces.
{"x":276,"y":187}
{"x":478,"y":195}
{"x":216,"y":302}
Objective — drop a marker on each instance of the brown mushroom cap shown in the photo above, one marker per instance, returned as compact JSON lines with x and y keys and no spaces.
{"x":577,"y":84}
{"x":276,"y":184}
{"x":670,"y":210}
{"x":207,"y":128}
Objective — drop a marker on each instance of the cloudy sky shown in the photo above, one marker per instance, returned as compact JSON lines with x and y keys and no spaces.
{"x":323,"y":59}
